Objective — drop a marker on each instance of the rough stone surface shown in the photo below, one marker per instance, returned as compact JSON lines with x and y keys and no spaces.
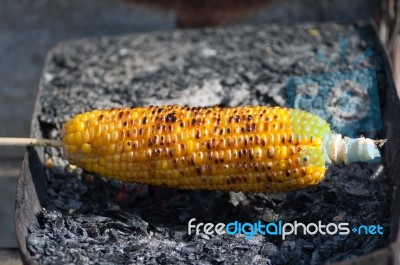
{"x":83,"y":222}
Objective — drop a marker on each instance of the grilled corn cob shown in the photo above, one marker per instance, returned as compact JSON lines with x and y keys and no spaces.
{"x":249,"y":149}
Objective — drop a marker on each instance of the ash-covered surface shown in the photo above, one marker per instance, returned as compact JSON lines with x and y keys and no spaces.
{"x":90,"y":220}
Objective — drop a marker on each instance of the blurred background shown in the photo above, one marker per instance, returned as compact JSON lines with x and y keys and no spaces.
{"x":29,"y":28}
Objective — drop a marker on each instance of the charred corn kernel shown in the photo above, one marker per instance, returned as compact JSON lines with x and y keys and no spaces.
{"x":250,"y":149}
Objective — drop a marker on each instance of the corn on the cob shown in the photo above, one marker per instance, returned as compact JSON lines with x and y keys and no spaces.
{"x":250,"y":149}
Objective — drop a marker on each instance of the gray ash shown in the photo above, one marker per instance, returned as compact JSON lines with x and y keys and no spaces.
{"x":86,"y":220}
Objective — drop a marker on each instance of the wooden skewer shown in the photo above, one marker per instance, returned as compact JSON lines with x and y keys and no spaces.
{"x":29,"y":142}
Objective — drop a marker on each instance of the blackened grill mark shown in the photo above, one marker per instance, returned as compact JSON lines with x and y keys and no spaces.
{"x":125,"y":123}
{"x":228,"y":180}
{"x":251,"y":154}
{"x":171,"y":117}
{"x":101,"y":117}
{"x":249,"y":118}
{"x":159,"y":110}
{"x":121,"y":114}
{"x":288,"y":173}
{"x":198,"y":134}
{"x":233,"y":180}
{"x":144,"y":120}
{"x":158,"y":151}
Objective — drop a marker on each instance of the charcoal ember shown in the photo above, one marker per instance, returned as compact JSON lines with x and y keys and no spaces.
{"x":84,"y":219}
{"x":192,"y":247}
{"x":268,"y":249}
{"x":253,"y":259}
{"x":167,"y":259}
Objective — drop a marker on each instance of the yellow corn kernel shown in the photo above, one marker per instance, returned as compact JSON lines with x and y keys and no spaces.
{"x":250,"y":149}
{"x":86,"y":148}
{"x":79,"y":126}
{"x":70,"y":139}
{"x":78,"y":138}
